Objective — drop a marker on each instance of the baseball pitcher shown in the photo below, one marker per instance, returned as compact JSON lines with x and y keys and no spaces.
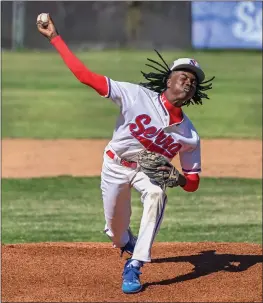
{"x":150,"y":131}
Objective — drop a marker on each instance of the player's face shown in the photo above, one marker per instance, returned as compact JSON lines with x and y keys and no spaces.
{"x":182,"y":85}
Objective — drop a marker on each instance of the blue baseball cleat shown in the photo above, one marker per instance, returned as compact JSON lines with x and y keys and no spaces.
{"x":129,"y":247}
{"x":131,"y":281}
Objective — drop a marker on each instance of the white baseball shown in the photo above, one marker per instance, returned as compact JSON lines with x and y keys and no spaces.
{"x":43,"y":18}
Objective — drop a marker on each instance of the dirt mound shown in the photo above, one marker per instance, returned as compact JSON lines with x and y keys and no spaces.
{"x":26,"y":158}
{"x":91,"y":272}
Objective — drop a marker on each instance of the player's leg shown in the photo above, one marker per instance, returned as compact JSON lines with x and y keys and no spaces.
{"x":116,"y":194}
{"x":154,"y":201}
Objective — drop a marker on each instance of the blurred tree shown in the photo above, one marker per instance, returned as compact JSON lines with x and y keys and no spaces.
{"x":133,"y":22}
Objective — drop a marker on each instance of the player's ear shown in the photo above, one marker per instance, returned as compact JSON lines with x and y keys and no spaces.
{"x":168,"y":83}
{"x":169,"y":80}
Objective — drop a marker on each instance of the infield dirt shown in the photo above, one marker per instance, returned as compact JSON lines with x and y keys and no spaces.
{"x":22,"y":158}
{"x":91,"y":272}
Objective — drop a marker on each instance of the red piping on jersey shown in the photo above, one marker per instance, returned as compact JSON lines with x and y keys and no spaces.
{"x":176,"y":113}
{"x":192,"y":182}
{"x":82,"y":73}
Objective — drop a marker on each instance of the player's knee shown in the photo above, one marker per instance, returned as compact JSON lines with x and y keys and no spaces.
{"x":155,"y":193}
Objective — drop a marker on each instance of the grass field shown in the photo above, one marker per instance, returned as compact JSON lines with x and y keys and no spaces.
{"x":70,"y":209}
{"x":42,"y":99}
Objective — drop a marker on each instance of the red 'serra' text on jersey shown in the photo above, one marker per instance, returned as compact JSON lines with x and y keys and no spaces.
{"x":153,"y":139}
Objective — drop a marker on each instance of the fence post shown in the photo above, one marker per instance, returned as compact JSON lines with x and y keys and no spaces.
{"x":18,"y":26}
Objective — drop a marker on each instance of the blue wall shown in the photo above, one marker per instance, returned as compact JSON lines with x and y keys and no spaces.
{"x":227,"y":25}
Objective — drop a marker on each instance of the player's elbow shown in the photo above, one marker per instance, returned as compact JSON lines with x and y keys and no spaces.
{"x":79,"y":73}
{"x":81,"y":77}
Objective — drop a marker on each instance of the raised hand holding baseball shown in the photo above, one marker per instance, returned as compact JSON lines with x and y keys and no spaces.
{"x":45,"y":26}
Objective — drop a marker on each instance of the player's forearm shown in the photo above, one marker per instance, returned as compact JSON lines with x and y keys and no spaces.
{"x":82,"y":73}
{"x":189,"y":182}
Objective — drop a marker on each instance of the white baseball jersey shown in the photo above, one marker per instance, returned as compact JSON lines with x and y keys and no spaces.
{"x":144,"y":121}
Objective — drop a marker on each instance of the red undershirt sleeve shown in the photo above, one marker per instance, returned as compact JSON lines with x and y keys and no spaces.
{"x":82,"y":73}
{"x":192,"y":182}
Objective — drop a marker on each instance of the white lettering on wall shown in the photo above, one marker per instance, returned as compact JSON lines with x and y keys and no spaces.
{"x":249,"y":25}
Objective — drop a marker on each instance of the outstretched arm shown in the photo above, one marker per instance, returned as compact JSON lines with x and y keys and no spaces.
{"x":81,"y":72}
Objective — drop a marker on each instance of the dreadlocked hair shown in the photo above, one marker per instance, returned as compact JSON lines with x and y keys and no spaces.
{"x":157,"y":81}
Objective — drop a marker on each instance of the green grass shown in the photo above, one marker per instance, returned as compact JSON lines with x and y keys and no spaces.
{"x":70,"y":209}
{"x":42,"y":99}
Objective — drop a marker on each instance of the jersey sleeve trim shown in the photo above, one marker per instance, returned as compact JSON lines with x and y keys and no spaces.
{"x":109,"y":88}
{"x":191,"y":171}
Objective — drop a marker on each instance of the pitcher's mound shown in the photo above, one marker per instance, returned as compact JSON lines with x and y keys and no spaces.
{"x":91,"y":272}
